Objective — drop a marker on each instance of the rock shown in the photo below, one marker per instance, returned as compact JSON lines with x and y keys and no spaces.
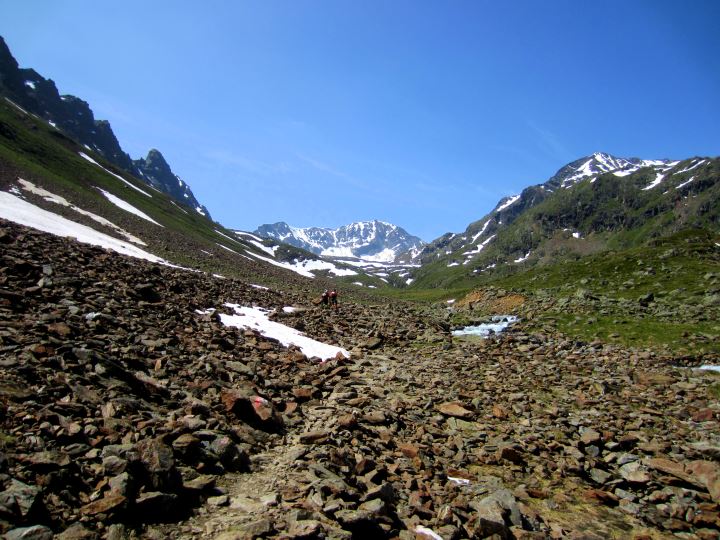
{"x":253,"y":409}
{"x":372,"y":343}
{"x":496,"y":513}
{"x":590,"y":437}
{"x":247,"y":531}
{"x":109,"y":504}
{"x":635,"y":473}
{"x":314,"y":437}
{"x":304,"y":528}
{"x":159,"y":464}
{"x":157,"y":506}
{"x":708,"y":474}
{"x":511,"y":454}
{"x":77,"y":531}
{"x":454,"y":409}
{"x":35,"y":532}
{"x":20,"y":499}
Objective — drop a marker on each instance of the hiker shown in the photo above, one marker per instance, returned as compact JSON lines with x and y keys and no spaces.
{"x":325,"y":298}
{"x":333,"y":299}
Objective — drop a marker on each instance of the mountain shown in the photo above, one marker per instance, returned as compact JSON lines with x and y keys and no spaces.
{"x":156,"y":172}
{"x":31,"y":92}
{"x":375,"y":240}
{"x":51,"y":182}
{"x":596,"y":203}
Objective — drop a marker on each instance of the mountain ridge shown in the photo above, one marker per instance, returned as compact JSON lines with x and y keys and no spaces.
{"x":593,"y":203}
{"x":375,"y":240}
{"x":30,"y":91}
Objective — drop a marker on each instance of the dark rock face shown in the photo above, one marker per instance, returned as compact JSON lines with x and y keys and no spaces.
{"x":155,"y":171}
{"x":73,"y":116}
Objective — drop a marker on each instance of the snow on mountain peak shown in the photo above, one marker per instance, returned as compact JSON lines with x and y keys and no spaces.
{"x":368,"y":240}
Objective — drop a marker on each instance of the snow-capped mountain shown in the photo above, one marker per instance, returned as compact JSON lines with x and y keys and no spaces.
{"x":594,"y":195}
{"x":375,"y":241}
{"x":601,"y":163}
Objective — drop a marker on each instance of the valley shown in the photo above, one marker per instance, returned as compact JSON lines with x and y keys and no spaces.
{"x":165,"y":376}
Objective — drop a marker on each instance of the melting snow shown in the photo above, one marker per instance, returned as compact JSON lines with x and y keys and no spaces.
{"x":709,"y":367}
{"x":691,"y":167}
{"x":510,"y":201}
{"x":478,"y":235}
{"x":31,"y":84}
{"x":521,"y":259}
{"x":257,"y":319}
{"x":117,"y":201}
{"x":261,"y":287}
{"x":424,"y":531}
{"x":658,"y":179}
{"x":91,"y":160}
{"x":227,"y":248}
{"x":57,"y":199}
{"x":453,"y":264}
{"x":459,"y":481}
{"x":576,"y":235}
{"x":480,"y":247}
{"x":20,"y":211}
{"x":680,"y":186}
{"x":267,"y":249}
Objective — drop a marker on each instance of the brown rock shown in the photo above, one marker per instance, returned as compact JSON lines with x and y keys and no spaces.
{"x":314,"y":437}
{"x":408,"y":449}
{"x":602,"y":497}
{"x":454,"y":409}
{"x":498,"y":411}
{"x":105,"y":505}
{"x":708,"y":473}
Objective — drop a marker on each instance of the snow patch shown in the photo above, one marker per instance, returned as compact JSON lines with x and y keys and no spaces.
{"x":91,"y":160}
{"x":424,"y":531}
{"x":680,"y":186}
{"x":22,"y":212}
{"x":658,"y":179}
{"x":512,"y":200}
{"x":117,"y":201}
{"x":57,"y":199}
{"x":257,"y":319}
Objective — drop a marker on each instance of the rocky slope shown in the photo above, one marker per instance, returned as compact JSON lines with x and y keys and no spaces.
{"x":129,"y":411}
{"x":33,"y":93}
{"x":367,"y":240}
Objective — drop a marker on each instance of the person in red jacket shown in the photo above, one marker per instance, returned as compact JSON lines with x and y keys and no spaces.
{"x":333,"y":299}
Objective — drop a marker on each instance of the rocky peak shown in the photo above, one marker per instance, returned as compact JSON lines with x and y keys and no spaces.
{"x":156,"y":171}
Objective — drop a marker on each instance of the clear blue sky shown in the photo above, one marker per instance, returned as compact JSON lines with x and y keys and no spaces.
{"x":422,"y":113}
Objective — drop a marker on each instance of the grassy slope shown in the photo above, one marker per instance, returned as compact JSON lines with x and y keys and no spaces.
{"x":611,"y":213}
{"x":665,"y":294}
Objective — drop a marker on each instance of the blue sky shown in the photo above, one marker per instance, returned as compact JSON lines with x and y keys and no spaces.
{"x":421,"y":113}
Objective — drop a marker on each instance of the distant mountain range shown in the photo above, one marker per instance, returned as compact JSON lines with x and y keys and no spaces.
{"x":375,"y":240}
{"x":29,"y":90}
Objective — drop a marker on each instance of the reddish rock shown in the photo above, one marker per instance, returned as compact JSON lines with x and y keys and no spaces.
{"x":105,"y":505}
{"x":454,"y":409}
{"x":708,"y":473}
